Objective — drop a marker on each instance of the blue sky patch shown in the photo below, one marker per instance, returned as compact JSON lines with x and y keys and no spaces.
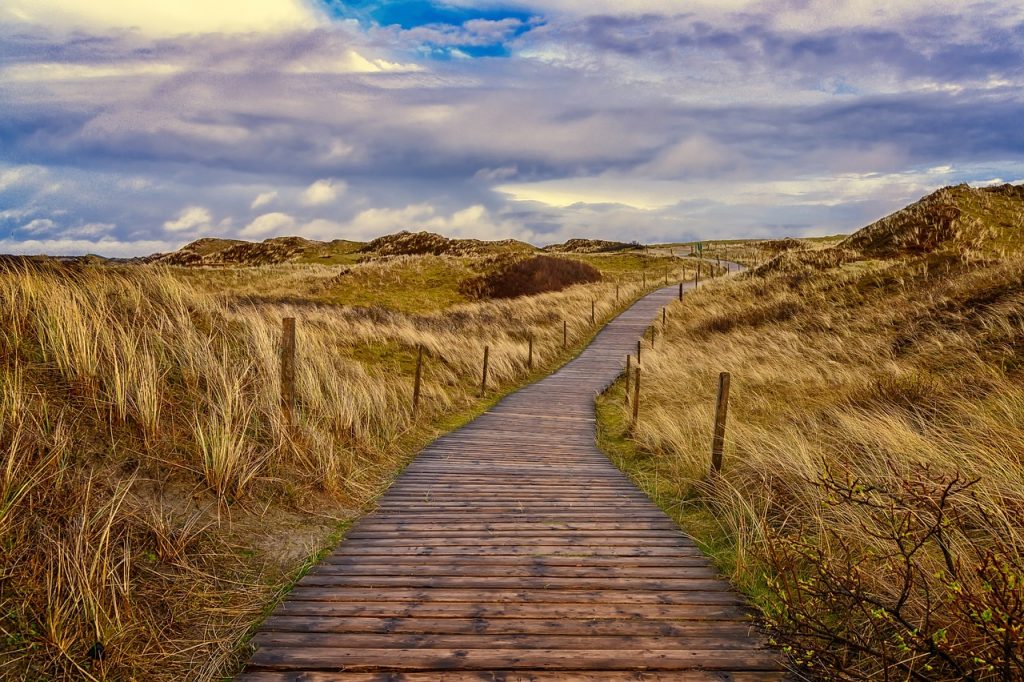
{"x":410,"y":14}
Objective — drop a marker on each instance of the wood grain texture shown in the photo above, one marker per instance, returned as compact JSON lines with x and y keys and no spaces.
{"x":512,"y":549}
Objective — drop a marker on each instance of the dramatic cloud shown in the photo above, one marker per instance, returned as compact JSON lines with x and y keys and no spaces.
{"x":262,"y":199}
{"x":323,"y":192}
{"x":150,"y":124}
{"x":190,"y":218}
{"x":269,"y":225}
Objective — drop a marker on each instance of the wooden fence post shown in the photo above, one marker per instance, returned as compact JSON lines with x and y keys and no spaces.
{"x":696,"y":276}
{"x":721,"y":409}
{"x":680,"y":291}
{"x":636,"y":397}
{"x":628,"y":370}
{"x":565,"y":334}
{"x":529,"y":355}
{"x":483,"y":382}
{"x":666,"y":276}
{"x":616,"y":292}
{"x":664,"y":318}
{"x":288,"y":369}
{"x":645,"y":279}
{"x":593,"y":312}
{"x":637,"y":352}
{"x":416,"y":381}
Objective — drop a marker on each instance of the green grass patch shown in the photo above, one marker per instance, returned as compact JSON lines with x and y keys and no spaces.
{"x":337,"y":252}
{"x":631,"y":264}
{"x":424,"y":285}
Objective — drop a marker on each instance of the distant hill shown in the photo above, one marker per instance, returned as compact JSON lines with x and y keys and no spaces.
{"x":417,"y":243}
{"x":212,"y":251}
{"x":590,"y":246}
{"x":988,"y":220}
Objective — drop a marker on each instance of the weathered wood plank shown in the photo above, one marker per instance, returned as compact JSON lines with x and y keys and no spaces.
{"x":587,"y":642}
{"x":506,"y":626}
{"x":513,"y":676}
{"x":345,"y":659}
{"x":429,"y":609}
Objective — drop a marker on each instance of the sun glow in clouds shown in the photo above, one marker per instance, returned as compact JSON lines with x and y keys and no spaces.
{"x":166,"y":18}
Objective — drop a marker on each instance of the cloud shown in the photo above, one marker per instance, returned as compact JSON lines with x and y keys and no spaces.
{"x":618,"y":119}
{"x":349,"y":61}
{"x":496,"y":174}
{"x":190,"y":218}
{"x":89,"y":230}
{"x":474,"y":221}
{"x":165,"y":18}
{"x":323,"y":192}
{"x":112,"y":248}
{"x":39,"y":225}
{"x":18,"y":175}
{"x":56,"y":71}
{"x":269,"y":225}
{"x":694,"y":155}
{"x":262,"y":199}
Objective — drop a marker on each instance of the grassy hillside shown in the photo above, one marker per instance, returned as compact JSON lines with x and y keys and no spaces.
{"x":986,"y":221}
{"x":872,"y":489}
{"x":153,"y":501}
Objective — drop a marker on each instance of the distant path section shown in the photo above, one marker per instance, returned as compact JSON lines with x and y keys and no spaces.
{"x":512,"y":549}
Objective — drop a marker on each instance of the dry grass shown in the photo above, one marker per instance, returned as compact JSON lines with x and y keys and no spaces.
{"x":972,"y":221}
{"x":153,"y":501}
{"x":872,"y":491}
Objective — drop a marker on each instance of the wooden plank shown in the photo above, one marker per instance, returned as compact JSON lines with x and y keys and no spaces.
{"x":507,"y":626}
{"x":507,"y":570}
{"x":520,"y":535}
{"x":587,"y":562}
{"x":358,"y":549}
{"x":515,"y":596}
{"x":415,"y":525}
{"x":712,"y":584}
{"x":278,"y":639}
{"x":512,"y":676}
{"x":430,"y":609}
{"x":334,"y":658}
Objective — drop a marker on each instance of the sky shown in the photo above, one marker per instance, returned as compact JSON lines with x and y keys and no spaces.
{"x":128,"y":128}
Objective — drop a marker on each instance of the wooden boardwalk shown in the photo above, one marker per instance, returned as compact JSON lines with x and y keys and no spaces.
{"x":512,"y":549}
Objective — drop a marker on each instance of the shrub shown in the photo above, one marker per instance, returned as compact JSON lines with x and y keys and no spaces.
{"x":531,"y":276}
{"x":892,"y":593}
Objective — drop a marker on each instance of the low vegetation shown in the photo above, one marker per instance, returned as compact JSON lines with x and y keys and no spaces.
{"x":154,"y":502}
{"x":591,"y":246}
{"x":530,"y":276}
{"x":421,"y":243}
{"x":872,"y":488}
{"x":975,"y":221}
{"x":234,"y":252}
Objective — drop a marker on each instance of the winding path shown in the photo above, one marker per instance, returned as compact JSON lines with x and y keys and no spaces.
{"x":512,"y":549}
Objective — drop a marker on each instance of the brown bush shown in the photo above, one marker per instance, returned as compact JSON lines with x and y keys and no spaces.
{"x":780,"y":245}
{"x":912,"y":606}
{"x":531,"y":276}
